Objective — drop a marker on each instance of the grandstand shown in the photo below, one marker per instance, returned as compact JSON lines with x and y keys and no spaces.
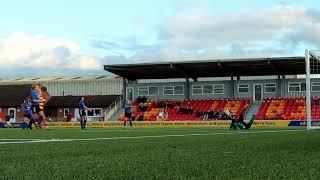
{"x":271,"y":86}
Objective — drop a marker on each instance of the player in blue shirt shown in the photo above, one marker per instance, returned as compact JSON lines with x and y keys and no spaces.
{"x":35,"y":104}
{"x":27,"y":113}
{"x":127,"y":114}
{"x":83,"y":109}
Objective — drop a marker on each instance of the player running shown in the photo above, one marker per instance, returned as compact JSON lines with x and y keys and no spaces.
{"x":40,"y":91}
{"x":127,"y":114}
{"x":37,"y":104}
{"x":83,"y":111}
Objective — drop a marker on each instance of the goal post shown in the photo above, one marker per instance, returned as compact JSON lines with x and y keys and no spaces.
{"x":312,"y":61}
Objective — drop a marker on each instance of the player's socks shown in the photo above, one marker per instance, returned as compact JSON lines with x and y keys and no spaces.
{"x":84,"y":124}
{"x":44,"y":123}
{"x":30,"y":124}
{"x":40,"y":119}
{"x":81,"y":124}
{"x":130,"y":123}
{"x":250,"y":123}
{"x":124,"y":123}
{"x":24,"y":125}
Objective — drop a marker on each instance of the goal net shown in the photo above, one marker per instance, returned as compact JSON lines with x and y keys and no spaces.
{"x":312,"y":58}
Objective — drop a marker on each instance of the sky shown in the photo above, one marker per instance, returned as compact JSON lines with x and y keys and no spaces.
{"x":76,"y":38}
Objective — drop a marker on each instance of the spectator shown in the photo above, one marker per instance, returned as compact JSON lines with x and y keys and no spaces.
{"x":178,"y":104}
{"x":181,"y":110}
{"x":139,"y":108}
{"x":316,"y":101}
{"x":211,"y":114}
{"x":186,"y":110}
{"x":69,"y":117}
{"x":201,"y":114}
{"x":162,"y":115}
{"x":2,"y":122}
{"x":140,"y":117}
{"x":1,"y":115}
{"x":225,"y":115}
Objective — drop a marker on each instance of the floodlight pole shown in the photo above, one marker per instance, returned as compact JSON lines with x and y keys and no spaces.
{"x":308,"y":94}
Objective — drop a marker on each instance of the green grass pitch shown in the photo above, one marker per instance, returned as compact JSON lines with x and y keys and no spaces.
{"x":160,"y":153}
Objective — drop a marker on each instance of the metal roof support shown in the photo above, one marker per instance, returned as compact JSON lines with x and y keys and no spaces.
{"x":187,"y":93}
{"x":124,"y":92}
{"x":274,"y":67}
{"x":232,"y":87}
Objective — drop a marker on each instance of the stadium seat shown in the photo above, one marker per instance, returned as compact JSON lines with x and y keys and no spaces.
{"x":234,"y":106}
{"x":289,"y":108}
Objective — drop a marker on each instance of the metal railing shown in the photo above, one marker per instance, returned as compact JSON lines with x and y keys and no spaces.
{"x":113,"y":109}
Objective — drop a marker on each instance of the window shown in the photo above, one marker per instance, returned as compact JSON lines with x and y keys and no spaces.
{"x":297,"y":87}
{"x":173,"y":90}
{"x":270,"y":88}
{"x":168,"y":90}
{"x":153,"y":91}
{"x":65,"y":112}
{"x":143,"y":91}
{"x":148,"y":91}
{"x":315,"y":87}
{"x":207,"y":89}
{"x":196,"y":89}
{"x":243,"y":88}
{"x":178,"y":90}
{"x":303,"y":87}
{"x":218,"y":89}
{"x":96,"y":112}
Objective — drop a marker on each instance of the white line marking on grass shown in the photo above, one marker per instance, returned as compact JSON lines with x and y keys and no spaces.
{"x":142,"y":137}
{"x":20,"y":139}
{"x":228,"y":152}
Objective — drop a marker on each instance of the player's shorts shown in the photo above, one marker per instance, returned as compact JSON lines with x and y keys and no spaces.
{"x":128,"y":115}
{"x":36,"y":109}
{"x":29,"y":116}
{"x":82,"y":113}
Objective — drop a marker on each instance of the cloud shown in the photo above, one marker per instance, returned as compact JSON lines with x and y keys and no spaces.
{"x":264,"y":33}
{"x":40,"y":53}
{"x":283,"y":30}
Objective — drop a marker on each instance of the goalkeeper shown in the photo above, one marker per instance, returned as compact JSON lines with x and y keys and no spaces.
{"x":244,"y":125}
{"x":241,"y":124}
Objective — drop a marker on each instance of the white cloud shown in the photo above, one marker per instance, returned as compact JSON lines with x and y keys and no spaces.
{"x":279,"y":31}
{"x":39,"y":51}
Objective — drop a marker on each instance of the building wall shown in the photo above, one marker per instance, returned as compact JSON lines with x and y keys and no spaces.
{"x":230,"y":88}
{"x":161,"y":86}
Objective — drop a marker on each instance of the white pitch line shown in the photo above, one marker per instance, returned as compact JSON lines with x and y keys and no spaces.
{"x":20,"y":139}
{"x":142,"y":137}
